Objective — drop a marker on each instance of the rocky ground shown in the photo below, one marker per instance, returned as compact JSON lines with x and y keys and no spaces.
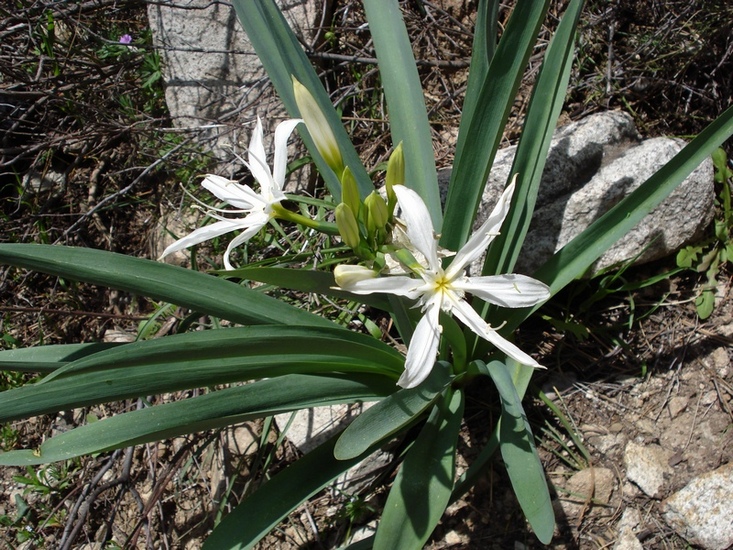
{"x":635,"y":426}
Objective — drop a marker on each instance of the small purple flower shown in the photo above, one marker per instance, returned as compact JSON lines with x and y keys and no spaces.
{"x":125,"y":39}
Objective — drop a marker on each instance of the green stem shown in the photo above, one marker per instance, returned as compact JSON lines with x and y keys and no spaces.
{"x":324,"y":227}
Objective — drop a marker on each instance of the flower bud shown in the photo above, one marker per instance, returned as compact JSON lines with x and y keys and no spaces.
{"x":347,"y":275}
{"x":348,"y":226}
{"x":395,"y":176}
{"x":350,"y":191}
{"x":318,"y":127}
{"x":377,"y":215}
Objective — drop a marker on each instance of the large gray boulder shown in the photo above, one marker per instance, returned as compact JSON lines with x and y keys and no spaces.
{"x":592,"y":164}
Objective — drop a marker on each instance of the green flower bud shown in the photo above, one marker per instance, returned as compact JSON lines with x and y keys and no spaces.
{"x":377,"y":214}
{"x":395,"y":176}
{"x":318,"y":127}
{"x":350,"y":191}
{"x":347,"y":226}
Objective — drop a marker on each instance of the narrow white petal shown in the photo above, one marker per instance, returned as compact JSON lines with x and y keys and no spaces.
{"x":423,"y":348}
{"x":473,"y":320}
{"x":258,"y":160}
{"x":510,"y":349}
{"x":419,"y":226}
{"x":254,"y":222}
{"x":509,"y":290}
{"x":398,"y":285}
{"x":480,"y":240}
{"x":239,"y":196}
{"x":202,"y":234}
{"x":280,"y":161}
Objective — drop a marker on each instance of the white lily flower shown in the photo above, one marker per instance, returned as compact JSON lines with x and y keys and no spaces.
{"x":439,"y":289}
{"x":258,"y":207}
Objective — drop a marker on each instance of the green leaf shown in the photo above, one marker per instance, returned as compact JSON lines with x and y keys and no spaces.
{"x":520,"y":456}
{"x":479,"y":139}
{"x":484,"y":46}
{"x":405,"y":101}
{"x":201,"y":359}
{"x":186,"y":288}
{"x":320,"y":282}
{"x":210,"y":411}
{"x":282,"y":56}
{"x":46,"y":359}
{"x":266,"y":507}
{"x":543,"y":111}
{"x":705,"y":303}
{"x":392,"y":414}
{"x":423,"y":485}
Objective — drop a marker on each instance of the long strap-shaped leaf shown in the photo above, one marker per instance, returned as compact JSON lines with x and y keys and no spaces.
{"x":479,"y":139}
{"x":484,"y":46}
{"x":282,"y":57}
{"x":46,"y":359}
{"x":408,"y":118}
{"x":392,"y":414}
{"x":191,"y":289}
{"x":529,"y":162}
{"x":209,"y":411}
{"x":423,"y":485}
{"x":201,"y":359}
{"x":520,"y":456}
{"x":253,"y":518}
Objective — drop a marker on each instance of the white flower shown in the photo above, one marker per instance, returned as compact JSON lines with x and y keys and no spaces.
{"x":439,"y":289}
{"x":259,"y":208}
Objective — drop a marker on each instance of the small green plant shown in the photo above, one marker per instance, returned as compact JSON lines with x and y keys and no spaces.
{"x":715,"y":252}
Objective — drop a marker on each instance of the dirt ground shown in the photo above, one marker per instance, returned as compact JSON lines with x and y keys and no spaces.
{"x":635,"y":368}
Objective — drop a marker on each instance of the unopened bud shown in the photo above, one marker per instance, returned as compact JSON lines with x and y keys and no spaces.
{"x":395,"y":175}
{"x":347,"y":275}
{"x":350,"y":191}
{"x":377,"y":214}
{"x":348,"y":226}
{"x":318,"y":127}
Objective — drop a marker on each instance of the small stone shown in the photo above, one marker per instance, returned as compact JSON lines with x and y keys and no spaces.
{"x":590,"y":488}
{"x":629,"y":523}
{"x":646,"y":466}
{"x":676,"y":405}
{"x":702,"y":512}
{"x":453,"y":538}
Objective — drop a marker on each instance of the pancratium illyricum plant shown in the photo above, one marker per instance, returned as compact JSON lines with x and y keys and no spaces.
{"x":439,"y":289}
{"x":292,"y":358}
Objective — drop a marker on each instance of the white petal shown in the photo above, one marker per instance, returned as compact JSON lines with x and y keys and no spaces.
{"x":510,"y":349}
{"x":480,"y":240}
{"x":280,"y":161}
{"x":398,"y":285}
{"x":509,"y":290}
{"x":419,"y":225}
{"x":251,"y":225}
{"x":473,"y":320}
{"x":202,"y":234}
{"x":258,"y":160}
{"x":423,"y":348}
{"x":239,"y":196}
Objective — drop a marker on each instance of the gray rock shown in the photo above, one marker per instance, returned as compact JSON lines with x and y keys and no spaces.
{"x":215,"y":84}
{"x":592,"y":164}
{"x":702,"y":512}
